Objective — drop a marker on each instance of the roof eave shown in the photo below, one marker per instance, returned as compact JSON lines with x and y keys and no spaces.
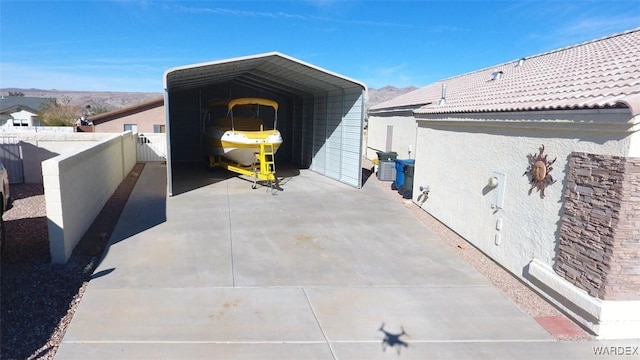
{"x":21,"y":107}
{"x":411,"y":107}
{"x":108,"y":116}
{"x":622,"y":103}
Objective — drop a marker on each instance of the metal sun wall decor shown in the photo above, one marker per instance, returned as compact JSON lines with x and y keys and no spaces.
{"x":538,"y":171}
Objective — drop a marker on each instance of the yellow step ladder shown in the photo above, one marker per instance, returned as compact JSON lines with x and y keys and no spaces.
{"x":267,"y":162}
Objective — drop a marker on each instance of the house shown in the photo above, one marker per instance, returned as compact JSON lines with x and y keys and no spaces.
{"x":536,"y":162}
{"x":18,"y":111}
{"x":147,"y":117}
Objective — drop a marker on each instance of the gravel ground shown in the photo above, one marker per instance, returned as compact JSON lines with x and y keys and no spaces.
{"x":38,"y":299}
{"x":527,"y":299}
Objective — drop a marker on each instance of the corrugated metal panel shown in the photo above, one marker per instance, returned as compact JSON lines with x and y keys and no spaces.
{"x":302,"y":136}
{"x":352,"y":123}
{"x":307,"y":132}
{"x":333,"y":167}
{"x":318,"y":163}
{"x":338,"y":136}
{"x":185,"y":126}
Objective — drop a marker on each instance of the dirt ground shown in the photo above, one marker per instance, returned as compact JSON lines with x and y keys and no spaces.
{"x":38,"y":299}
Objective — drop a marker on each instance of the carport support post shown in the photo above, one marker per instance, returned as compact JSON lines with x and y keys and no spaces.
{"x":168,"y":134}
{"x":363,"y":112}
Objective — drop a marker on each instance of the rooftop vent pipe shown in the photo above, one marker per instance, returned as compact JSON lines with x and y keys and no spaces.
{"x":497,"y":75}
{"x":443,"y":95}
{"x":520,"y":62}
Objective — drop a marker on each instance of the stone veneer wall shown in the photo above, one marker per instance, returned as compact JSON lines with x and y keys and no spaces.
{"x":599,"y":245}
{"x":623,"y":282}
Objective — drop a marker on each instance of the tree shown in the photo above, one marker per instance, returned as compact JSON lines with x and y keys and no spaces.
{"x":97,"y":106}
{"x":16,"y":93}
{"x":54,"y":113}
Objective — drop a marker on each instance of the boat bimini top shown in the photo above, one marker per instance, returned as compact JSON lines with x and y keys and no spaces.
{"x":252,"y":101}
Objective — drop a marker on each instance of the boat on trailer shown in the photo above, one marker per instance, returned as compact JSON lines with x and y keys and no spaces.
{"x":239,"y":140}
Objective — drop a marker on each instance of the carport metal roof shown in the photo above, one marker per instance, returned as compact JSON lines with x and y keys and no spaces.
{"x":274,"y":71}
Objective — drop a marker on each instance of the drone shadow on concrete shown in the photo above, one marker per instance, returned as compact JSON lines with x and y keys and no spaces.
{"x":393,"y":340}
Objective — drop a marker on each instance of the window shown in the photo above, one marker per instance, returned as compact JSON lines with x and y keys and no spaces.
{"x":132,"y":127}
{"x":20,"y":122}
{"x":159,"y":129}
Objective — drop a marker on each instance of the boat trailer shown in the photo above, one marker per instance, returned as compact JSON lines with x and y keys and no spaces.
{"x":263,"y":169}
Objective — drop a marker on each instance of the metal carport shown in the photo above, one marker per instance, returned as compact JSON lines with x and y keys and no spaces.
{"x":321,"y":113}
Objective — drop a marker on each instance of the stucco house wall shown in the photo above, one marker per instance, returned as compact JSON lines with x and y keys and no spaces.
{"x":148,"y":118}
{"x":579,"y":244}
{"x":456,"y":156}
{"x":402,"y":140}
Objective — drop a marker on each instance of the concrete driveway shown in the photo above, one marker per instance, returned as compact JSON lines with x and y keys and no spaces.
{"x":221,"y":271}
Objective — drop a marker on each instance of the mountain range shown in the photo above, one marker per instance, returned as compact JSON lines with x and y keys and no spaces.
{"x":112,"y":100}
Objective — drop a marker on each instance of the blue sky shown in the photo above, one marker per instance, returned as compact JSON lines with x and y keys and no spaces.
{"x":126,"y":45}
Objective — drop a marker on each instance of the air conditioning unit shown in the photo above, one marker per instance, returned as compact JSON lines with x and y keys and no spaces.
{"x":387,"y":171}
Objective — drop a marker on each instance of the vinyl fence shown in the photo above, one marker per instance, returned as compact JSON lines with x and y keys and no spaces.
{"x":11,"y":158}
{"x":151,"y":147}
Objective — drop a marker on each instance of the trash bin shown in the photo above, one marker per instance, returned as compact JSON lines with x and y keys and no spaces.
{"x":407,"y":189}
{"x":387,"y":156}
{"x":400,"y":172}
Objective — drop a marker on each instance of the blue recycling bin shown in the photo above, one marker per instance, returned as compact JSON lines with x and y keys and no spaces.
{"x":401,"y":164}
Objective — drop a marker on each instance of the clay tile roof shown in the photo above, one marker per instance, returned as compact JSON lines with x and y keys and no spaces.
{"x":602,"y":73}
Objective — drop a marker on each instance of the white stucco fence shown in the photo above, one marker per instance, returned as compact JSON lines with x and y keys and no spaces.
{"x":36,"y":129}
{"x":78,"y":184}
{"x":43,"y":145}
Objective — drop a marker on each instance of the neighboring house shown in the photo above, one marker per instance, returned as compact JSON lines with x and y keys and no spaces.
{"x":18,"y":111}
{"x":148,"y":117}
{"x":537,"y":163}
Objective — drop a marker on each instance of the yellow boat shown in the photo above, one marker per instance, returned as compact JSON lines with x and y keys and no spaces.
{"x":240,"y":135}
